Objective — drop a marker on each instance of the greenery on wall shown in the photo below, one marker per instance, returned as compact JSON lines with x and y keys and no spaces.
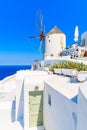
{"x":69,"y":65}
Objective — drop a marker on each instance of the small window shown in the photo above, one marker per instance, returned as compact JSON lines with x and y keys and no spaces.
{"x":51,"y":55}
{"x":49,"y":40}
{"x":49,"y":99}
{"x":76,"y":49}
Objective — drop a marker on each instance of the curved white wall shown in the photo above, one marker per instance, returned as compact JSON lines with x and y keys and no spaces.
{"x":82,"y":108}
{"x":53,"y":44}
{"x":84,"y":38}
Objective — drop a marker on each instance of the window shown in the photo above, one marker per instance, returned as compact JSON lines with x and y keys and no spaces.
{"x":76,"y":49}
{"x":51,"y":55}
{"x":49,"y":99}
{"x":49,"y":40}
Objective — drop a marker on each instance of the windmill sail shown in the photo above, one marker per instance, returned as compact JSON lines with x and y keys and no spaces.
{"x":41,"y":34}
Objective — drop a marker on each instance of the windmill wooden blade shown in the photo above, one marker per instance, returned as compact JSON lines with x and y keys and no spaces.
{"x":37,"y":28}
{"x":41,"y":23}
{"x":44,"y":29}
{"x":33,"y":36}
{"x":41,"y":42}
{"x":41,"y":34}
{"x":40,"y":16}
{"x":45,"y":35}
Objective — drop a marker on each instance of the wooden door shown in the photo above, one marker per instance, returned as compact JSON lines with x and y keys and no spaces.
{"x":35,"y":108}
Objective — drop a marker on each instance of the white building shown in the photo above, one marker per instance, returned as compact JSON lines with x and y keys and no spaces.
{"x":55,"y":42}
{"x":84,"y":39}
{"x":39,"y":100}
{"x":73,"y":52}
{"x":42,"y":101}
{"x":51,"y":102}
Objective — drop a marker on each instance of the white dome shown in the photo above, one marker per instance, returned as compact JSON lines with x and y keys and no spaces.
{"x":84,"y":39}
{"x":84,"y":34}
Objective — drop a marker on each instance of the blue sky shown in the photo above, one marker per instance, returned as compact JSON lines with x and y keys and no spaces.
{"x":18,"y":18}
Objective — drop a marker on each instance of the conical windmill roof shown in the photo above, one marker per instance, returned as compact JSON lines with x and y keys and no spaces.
{"x":55,"y":30}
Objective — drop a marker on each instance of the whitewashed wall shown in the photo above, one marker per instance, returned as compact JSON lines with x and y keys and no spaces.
{"x":61,"y":59}
{"x":20,"y":100}
{"x":82,"y":108}
{"x":26,"y":81}
{"x":5,"y":113}
{"x":61,"y":115}
{"x":84,"y":37}
{"x":53,"y":44}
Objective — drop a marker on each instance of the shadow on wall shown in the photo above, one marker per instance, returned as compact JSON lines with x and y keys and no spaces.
{"x":13,"y":111}
{"x":75,"y":99}
{"x":73,"y":80}
{"x":21,"y":107}
{"x":74,"y":120}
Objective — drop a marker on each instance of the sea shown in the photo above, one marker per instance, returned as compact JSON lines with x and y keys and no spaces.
{"x":8,"y":70}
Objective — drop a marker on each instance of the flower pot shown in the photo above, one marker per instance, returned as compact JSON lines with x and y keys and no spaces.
{"x":69,"y":72}
{"x":82,"y":76}
{"x":65,"y":72}
{"x":73,"y":73}
{"x":57,"y":71}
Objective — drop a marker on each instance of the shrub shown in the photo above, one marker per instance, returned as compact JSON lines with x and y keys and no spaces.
{"x":69,"y":65}
{"x":51,"y":68}
{"x":81,"y":67}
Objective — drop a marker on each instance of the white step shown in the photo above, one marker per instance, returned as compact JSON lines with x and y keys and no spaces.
{"x":37,"y":128}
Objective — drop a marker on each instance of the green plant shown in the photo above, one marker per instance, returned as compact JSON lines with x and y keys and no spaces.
{"x":81,"y":67}
{"x":69,"y":65}
{"x":51,"y":68}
